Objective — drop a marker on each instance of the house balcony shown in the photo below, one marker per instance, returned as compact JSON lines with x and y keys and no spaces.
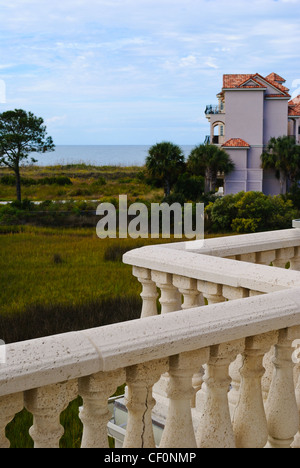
{"x":213,"y":110}
{"x":217,"y":365}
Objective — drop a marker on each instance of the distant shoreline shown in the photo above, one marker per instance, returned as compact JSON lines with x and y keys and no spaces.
{"x":99,"y":155}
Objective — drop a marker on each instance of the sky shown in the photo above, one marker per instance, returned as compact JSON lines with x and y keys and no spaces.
{"x":118,"y":72}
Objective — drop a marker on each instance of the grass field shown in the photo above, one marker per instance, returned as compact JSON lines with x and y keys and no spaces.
{"x":88,"y":183}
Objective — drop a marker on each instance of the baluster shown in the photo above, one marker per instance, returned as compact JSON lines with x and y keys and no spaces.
{"x":197,"y":382}
{"x":46,"y":404}
{"x":188,"y":288}
{"x":231,"y":293}
{"x":295,"y":260}
{"x":179,"y":430}
{"x":95,"y":391}
{"x":211,"y":291}
{"x":140,"y":402}
{"x":283,"y":257}
{"x":248,"y":257}
{"x":265,"y":258}
{"x":249,"y":420}
{"x":149,"y":293}
{"x":296,"y":443}
{"x":253,"y":293}
{"x":268,"y":375}
{"x":281,"y":408}
{"x":215,"y":428}
{"x":170,"y":299}
{"x":296,"y":360}
{"x":10,"y":405}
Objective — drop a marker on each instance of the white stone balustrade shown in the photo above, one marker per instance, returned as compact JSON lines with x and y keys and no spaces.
{"x":252,"y":307}
{"x":139,"y":351}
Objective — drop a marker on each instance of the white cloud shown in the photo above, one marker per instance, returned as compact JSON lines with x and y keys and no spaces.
{"x":56,"y":119}
{"x":59,"y":57}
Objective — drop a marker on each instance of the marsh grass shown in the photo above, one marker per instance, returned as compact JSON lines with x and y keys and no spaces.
{"x":82,"y":182}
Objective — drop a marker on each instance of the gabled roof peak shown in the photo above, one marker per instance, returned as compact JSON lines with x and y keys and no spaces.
{"x":275,"y":77}
{"x":239,"y":81}
{"x":236,"y":143}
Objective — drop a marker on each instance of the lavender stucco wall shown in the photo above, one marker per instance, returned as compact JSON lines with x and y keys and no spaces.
{"x":246,"y":111}
{"x":275,"y":119}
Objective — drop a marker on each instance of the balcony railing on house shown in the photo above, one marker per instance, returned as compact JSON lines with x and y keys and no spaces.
{"x":219,"y":365}
{"x":213,"y":109}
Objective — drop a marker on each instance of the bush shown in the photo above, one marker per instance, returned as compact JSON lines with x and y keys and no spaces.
{"x":242,"y":225}
{"x":221,"y":212}
{"x":190,"y":187}
{"x":250,"y":212}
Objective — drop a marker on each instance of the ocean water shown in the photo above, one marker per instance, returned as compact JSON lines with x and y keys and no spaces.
{"x":100,"y":155}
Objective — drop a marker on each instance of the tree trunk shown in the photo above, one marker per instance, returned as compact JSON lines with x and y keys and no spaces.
{"x":167,"y":188}
{"x":213,"y":181}
{"x":282,"y":180}
{"x":18,"y":185}
{"x":207,"y":181}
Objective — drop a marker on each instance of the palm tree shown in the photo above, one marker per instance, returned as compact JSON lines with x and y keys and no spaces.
{"x":165,"y":162}
{"x":283,"y":155}
{"x":208,"y":160}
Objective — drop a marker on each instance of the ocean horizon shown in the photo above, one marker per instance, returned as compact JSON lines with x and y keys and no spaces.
{"x":99,"y":155}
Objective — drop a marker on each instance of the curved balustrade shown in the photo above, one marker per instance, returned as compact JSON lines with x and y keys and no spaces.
{"x":218,"y":362}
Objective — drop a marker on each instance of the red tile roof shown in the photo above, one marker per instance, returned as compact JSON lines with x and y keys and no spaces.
{"x":275,"y":77}
{"x":295,"y":101}
{"x":255,"y":84}
{"x":294,"y":106}
{"x":233,"y":81}
{"x":236,"y":143}
{"x":240,"y":81}
{"x":294,"y":110}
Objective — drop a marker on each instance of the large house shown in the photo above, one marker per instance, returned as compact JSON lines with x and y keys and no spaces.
{"x":251,"y":110}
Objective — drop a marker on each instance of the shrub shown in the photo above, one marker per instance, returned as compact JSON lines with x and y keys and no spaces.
{"x":250,"y":212}
{"x":242,"y":225}
{"x":221,"y":212}
{"x":191,"y":187}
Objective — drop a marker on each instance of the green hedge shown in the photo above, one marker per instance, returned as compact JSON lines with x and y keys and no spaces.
{"x":250,"y":212}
